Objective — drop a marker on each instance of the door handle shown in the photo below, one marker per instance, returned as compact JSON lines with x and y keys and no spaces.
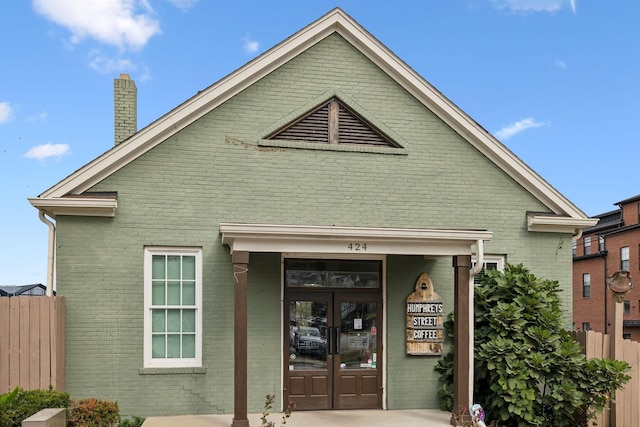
{"x":329,"y":340}
{"x":336,"y":344}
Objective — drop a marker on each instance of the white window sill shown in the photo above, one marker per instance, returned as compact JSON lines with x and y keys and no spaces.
{"x":170,"y":371}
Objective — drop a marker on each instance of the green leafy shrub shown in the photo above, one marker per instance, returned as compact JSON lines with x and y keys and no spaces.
{"x":133,"y":422}
{"x":93,"y":413}
{"x":529,"y":371}
{"x":21,"y":404}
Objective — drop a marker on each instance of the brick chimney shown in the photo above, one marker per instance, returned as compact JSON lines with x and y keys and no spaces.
{"x":125,"y":96}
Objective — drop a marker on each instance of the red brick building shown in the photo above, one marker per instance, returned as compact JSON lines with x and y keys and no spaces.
{"x":611,"y":245}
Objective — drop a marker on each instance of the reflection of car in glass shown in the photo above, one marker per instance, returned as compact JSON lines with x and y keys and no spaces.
{"x":308,"y":340}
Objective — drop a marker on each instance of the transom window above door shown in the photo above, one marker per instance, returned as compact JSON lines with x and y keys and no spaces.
{"x":326,"y":273}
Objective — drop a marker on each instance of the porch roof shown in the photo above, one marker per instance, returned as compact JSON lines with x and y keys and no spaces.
{"x":350,"y":240}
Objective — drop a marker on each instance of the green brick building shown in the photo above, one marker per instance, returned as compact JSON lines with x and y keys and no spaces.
{"x":264,"y":236}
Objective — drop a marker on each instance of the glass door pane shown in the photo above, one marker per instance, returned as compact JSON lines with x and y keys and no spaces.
{"x":358,"y":335}
{"x":308,"y":360}
{"x":307,"y":334}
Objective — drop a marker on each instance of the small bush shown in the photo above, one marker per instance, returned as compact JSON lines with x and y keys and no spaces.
{"x":93,"y":413}
{"x":27,"y":402}
{"x":134,"y":422}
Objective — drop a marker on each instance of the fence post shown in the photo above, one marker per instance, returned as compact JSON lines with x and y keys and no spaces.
{"x":619,"y":284}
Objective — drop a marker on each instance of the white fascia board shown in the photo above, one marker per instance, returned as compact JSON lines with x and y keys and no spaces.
{"x":78,"y":206}
{"x":558,"y":224}
{"x":349,"y":240}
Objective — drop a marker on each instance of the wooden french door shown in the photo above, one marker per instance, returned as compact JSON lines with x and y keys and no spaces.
{"x":333,"y":348}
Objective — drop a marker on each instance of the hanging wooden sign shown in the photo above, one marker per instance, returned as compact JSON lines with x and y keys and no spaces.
{"x":425,"y":317}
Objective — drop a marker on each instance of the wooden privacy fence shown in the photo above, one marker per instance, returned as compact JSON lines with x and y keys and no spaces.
{"x":627,"y":407}
{"x":32,"y":342}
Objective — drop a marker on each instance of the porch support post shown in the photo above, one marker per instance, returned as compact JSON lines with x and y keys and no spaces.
{"x":240,"y":269}
{"x":462,"y":334}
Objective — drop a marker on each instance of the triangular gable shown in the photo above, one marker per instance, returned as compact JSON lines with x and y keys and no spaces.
{"x":336,"y":21}
{"x":333,"y":123}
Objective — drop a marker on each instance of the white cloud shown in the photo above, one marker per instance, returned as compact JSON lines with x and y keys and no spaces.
{"x":533,"y":5}
{"x":42,"y":152}
{"x":183,"y":4}
{"x":560,"y":64}
{"x":127,"y":24}
{"x":41,"y":117}
{"x":106,"y":65}
{"x":250,"y":46}
{"x":517,"y":127}
{"x":6,"y":112}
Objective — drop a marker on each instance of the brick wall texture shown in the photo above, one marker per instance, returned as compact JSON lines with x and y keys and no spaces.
{"x":125,"y":101}
{"x":213,"y":171}
{"x":596,"y":308}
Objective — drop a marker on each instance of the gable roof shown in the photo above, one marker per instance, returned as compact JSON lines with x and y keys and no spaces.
{"x":16,"y":290}
{"x":64,"y":196}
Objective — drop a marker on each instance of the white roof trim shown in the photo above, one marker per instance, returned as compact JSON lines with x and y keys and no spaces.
{"x":558,"y":224}
{"x":349,"y":240}
{"x":80,"y":206}
{"x":339,"y":22}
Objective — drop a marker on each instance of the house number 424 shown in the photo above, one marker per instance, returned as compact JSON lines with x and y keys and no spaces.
{"x":356,"y":247}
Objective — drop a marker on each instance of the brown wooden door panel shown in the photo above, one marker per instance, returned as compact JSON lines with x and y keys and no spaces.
{"x":310,"y":391}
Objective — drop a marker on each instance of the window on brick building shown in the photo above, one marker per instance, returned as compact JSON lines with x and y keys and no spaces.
{"x":173,"y":307}
{"x":574,"y":248}
{"x":600,"y":243}
{"x":586,"y":326}
{"x":587,"y":245}
{"x":624,"y":258}
{"x":586,"y":285}
{"x":627,"y":307}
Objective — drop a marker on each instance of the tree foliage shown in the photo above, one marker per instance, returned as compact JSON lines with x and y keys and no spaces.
{"x":529,"y":371}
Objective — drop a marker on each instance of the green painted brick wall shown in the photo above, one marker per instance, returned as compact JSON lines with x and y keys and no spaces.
{"x":178,"y":193}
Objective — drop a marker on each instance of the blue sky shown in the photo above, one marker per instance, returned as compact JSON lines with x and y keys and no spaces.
{"x":557,"y":81}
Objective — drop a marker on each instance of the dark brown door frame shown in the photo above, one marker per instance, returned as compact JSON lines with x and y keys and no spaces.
{"x":334,"y":297}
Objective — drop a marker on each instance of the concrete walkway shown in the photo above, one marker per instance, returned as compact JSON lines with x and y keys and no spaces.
{"x":353,"y":418}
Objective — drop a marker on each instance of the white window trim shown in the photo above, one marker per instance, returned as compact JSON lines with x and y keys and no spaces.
{"x":150,"y":362}
{"x":491,"y":259}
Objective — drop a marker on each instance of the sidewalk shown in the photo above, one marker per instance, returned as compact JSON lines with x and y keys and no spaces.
{"x":346,"y":418}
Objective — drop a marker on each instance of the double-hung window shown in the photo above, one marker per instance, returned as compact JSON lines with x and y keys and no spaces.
{"x":586,"y":285}
{"x":587,"y":245}
{"x":173,"y":307}
{"x":624,"y":258}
